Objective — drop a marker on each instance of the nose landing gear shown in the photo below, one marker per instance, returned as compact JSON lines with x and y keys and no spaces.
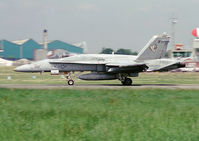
{"x":71,"y":82}
{"x":69,"y":79}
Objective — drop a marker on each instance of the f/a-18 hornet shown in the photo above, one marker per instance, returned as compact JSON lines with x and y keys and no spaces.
{"x":110,"y":66}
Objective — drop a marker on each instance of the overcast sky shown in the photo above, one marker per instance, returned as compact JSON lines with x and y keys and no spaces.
{"x":101,"y":23}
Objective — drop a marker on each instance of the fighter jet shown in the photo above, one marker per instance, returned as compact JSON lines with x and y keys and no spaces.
{"x":110,"y":66}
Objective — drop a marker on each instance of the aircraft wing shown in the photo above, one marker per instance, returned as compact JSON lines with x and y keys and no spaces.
{"x":122,"y":67}
{"x":111,"y":67}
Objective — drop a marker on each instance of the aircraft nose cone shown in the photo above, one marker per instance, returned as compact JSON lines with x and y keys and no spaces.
{"x":23,"y":68}
{"x":18,"y":69}
{"x":15,"y":69}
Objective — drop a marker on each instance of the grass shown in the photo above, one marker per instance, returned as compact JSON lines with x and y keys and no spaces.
{"x":96,"y":115}
{"x":144,"y":78}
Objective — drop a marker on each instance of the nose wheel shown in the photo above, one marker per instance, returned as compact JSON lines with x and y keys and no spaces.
{"x":71,"y":82}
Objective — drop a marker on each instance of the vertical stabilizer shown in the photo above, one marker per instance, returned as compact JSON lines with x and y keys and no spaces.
{"x":155,"y":49}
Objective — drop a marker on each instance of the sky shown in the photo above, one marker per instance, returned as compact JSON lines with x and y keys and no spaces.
{"x":113,"y":24}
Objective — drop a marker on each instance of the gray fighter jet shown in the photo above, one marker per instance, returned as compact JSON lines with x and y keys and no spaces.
{"x":110,"y":66}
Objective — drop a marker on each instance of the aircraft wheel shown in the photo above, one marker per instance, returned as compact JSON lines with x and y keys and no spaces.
{"x":70,"y":82}
{"x":127,"y":82}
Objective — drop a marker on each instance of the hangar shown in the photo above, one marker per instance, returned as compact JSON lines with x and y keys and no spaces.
{"x":57,"y":44}
{"x":14,"y":50}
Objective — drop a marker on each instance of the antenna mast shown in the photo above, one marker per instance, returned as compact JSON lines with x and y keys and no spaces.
{"x":45,"y":43}
{"x":173,"y":23}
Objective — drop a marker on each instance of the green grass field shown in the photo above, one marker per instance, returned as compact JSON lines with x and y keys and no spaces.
{"x":98,"y":115}
{"x":144,"y":78}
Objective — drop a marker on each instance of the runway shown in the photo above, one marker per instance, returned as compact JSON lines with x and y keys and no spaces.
{"x":100,"y":86}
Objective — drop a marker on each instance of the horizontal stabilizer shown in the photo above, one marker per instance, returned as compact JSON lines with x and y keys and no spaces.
{"x":169,"y":67}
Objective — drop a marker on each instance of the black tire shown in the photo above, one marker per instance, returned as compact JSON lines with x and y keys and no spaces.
{"x":70,"y":82}
{"x":127,"y":82}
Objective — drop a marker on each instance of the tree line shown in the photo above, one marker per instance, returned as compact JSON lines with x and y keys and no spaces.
{"x":119,"y":51}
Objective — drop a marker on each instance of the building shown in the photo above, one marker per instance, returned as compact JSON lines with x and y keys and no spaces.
{"x":191,"y":57}
{"x":195,"y":54}
{"x":14,"y":50}
{"x":192,"y":63}
{"x":57,"y":44}
{"x":179,"y":52}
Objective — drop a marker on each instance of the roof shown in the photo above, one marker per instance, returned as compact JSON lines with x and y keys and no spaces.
{"x":4,"y":61}
{"x":80,"y":45}
{"x":41,"y":43}
{"x":20,"y":42}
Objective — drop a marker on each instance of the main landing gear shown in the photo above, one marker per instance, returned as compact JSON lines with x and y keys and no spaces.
{"x":125,"y":80}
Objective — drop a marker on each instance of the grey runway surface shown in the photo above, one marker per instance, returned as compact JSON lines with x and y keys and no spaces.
{"x":100,"y":86}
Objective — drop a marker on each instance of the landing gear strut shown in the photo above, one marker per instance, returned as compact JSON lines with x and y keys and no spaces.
{"x":127,"y":81}
{"x":69,"y":79}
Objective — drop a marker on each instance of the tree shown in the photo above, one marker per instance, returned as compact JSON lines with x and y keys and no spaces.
{"x":125,"y":51}
{"x":134,"y":53}
{"x":107,"y":51}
